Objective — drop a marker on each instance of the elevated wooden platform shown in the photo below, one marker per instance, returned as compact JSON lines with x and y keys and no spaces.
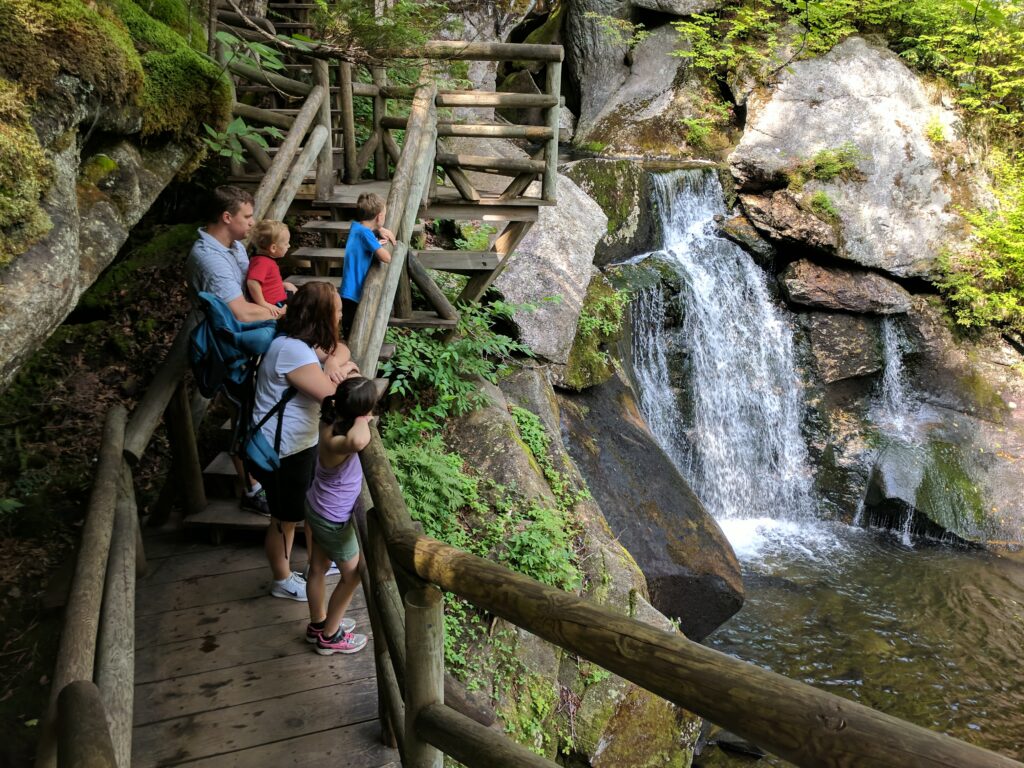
{"x":224,"y":677}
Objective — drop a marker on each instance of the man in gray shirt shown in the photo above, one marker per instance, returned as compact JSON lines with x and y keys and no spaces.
{"x":218,"y":261}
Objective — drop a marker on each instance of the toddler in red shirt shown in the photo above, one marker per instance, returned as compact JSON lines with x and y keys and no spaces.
{"x":263,"y":281}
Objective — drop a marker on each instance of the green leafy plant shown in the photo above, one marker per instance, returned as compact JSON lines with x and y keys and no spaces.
{"x":536,"y":438}
{"x":823,"y":207}
{"x":827,"y":165}
{"x":228,"y":143}
{"x":935,"y":131}
{"x":618,"y":31}
{"x":697,"y":130}
{"x":475,"y":237}
{"x":984,"y":281}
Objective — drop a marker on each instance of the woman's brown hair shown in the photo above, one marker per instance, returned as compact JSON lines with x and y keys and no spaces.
{"x":312,"y":316}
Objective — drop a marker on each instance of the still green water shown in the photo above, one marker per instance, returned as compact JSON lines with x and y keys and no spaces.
{"x":933,"y":634}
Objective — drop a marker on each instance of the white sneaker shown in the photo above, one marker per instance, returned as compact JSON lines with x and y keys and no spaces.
{"x":292,"y":588}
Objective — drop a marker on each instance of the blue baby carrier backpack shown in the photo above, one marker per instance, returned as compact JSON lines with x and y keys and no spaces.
{"x":224,"y":352}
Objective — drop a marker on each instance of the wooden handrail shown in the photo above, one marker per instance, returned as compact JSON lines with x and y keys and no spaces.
{"x":794,"y":720}
{"x":84,"y":741}
{"x":462,"y":51}
{"x":472,"y":744}
{"x":77,"y":651}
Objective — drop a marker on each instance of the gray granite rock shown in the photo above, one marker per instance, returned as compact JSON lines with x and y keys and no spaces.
{"x":896,"y":215}
{"x":781,"y":217}
{"x":679,"y":7}
{"x":596,"y":65}
{"x":551,"y":269}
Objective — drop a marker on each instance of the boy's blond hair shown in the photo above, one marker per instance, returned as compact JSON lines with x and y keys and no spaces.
{"x":369,"y":205}
{"x":266,"y":233}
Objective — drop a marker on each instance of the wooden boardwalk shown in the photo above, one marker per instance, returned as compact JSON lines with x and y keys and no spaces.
{"x":224,"y":677}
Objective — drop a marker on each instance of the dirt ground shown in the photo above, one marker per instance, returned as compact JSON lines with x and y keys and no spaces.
{"x":51,"y":420}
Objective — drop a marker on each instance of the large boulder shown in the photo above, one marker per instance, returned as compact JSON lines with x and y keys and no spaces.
{"x":692,"y":572}
{"x":679,"y":7}
{"x":813,"y":285}
{"x":554,"y":261}
{"x":844,"y":346}
{"x":93,"y":204}
{"x":596,"y":64}
{"x":894,"y":210}
{"x":610,"y":716}
{"x":661,"y":109}
{"x":623,"y":190}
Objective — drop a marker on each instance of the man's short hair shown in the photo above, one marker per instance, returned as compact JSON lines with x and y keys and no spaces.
{"x":369,"y":205}
{"x":226,"y":199}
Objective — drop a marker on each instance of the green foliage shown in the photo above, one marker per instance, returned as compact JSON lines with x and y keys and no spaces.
{"x":698,"y":130}
{"x":618,"y":31}
{"x":475,"y":237}
{"x":934,"y":131}
{"x":437,"y":375}
{"x":827,"y":165}
{"x":600,"y":324}
{"x":536,"y":438}
{"x":823,"y":207}
{"x":354,"y":25}
{"x":976,"y":45}
{"x":984,"y":281}
{"x":228,"y":143}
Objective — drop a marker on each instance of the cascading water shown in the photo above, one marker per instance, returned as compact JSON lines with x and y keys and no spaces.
{"x":826,"y":603}
{"x":747,"y":458}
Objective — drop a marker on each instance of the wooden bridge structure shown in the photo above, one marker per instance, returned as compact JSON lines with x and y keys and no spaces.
{"x":173,"y":653}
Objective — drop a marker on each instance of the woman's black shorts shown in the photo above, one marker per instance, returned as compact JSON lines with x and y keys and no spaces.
{"x":286,"y":488}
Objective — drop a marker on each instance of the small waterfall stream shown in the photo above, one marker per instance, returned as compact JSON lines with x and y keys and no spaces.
{"x":746,"y":458}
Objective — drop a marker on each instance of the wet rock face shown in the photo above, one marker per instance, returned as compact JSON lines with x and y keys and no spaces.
{"x":780,"y":216}
{"x":809,"y":284}
{"x":692,"y":572}
{"x":596,"y":63}
{"x":554,"y":259}
{"x":844,"y":346}
{"x":894,"y":211}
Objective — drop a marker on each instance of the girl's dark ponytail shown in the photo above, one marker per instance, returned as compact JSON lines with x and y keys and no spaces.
{"x":354,"y":397}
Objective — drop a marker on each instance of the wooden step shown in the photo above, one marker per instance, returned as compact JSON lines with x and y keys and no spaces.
{"x":300,"y":280}
{"x":319,"y":254}
{"x":422,"y":319}
{"x":459,"y":261}
{"x":219,"y":476}
{"x":225,"y":513}
{"x":453,"y":211}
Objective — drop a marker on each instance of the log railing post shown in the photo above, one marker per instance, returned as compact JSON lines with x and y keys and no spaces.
{"x":380,"y":110}
{"x":325,"y":162}
{"x":185,"y":451}
{"x":268,"y":188}
{"x":348,"y":124}
{"x":290,"y":187}
{"x":76,"y":654}
{"x":84,"y":741}
{"x":552,"y":87}
{"x":424,"y":655}
{"x":115,"y":650}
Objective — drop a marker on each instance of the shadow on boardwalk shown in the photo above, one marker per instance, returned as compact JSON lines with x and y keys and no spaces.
{"x":224,"y":677}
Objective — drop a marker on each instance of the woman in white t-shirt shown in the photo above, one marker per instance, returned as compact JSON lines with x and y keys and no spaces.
{"x":309,"y":334}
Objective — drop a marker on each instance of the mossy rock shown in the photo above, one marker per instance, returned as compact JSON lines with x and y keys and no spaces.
{"x":25,"y":172}
{"x":623,"y":190}
{"x":600,"y":326}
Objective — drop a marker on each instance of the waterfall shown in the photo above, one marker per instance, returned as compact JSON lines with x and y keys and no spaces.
{"x":741,"y":447}
{"x":895,"y":409}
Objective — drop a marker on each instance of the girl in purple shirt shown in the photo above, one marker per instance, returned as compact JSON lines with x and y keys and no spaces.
{"x":330,"y":504}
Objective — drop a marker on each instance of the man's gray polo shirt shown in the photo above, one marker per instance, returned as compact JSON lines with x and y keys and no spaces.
{"x":216,"y":269}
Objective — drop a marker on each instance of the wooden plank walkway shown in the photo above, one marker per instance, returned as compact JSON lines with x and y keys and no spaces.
{"x":224,"y":677}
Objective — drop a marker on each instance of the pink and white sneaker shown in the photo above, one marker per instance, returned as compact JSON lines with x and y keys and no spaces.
{"x":343,"y":642}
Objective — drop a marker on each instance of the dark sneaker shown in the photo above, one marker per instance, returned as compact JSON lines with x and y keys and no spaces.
{"x":313,"y":634}
{"x":343,"y":642}
{"x":256,"y":503}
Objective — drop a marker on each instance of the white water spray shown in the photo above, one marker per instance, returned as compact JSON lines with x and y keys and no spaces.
{"x":742,"y":449}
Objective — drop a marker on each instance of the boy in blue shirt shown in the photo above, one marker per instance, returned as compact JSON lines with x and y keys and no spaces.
{"x":366,"y":239}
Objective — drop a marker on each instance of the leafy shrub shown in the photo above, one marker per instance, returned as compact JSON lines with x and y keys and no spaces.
{"x":600,"y":325}
{"x":823,"y":207}
{"x":935,"y":131}
{"x":475,"y":237}
{"x":984,"y":281}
